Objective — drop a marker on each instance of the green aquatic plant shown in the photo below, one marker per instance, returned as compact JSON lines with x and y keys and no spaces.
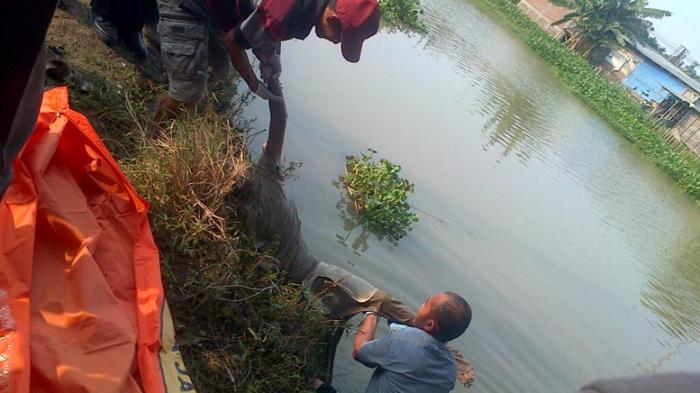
{"x":403,"y":13}
{"x":380,"y":195}
{"x":609,"y":100}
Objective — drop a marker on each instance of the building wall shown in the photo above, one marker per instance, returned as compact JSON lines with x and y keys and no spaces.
{"x":620,"y":63}
{"x":691,"y":95}
{"x":545,"y":13}
{"x":688,"y":130}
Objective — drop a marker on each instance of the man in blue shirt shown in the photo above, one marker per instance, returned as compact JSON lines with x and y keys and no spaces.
{"x":415,"y":359}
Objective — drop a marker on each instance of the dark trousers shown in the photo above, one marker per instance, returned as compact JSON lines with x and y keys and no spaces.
{"x":128,"y":15}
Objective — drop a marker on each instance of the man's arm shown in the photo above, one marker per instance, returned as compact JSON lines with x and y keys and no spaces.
{"x":365,"y":333}
{"x":240,"y":61}
{"x":278,"y":122}
{"x":278,"y":111}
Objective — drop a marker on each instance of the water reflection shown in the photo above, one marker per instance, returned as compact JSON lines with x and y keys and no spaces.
{"x":673,"y":292}
{"x":444,"y":39}
{"x":354,"y":235}
{"x":515,"y":119}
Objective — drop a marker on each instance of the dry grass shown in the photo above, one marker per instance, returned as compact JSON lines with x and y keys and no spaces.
{"x":240,"y":326}
{"x":192,"y":168}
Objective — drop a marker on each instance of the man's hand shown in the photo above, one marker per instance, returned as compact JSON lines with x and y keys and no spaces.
{"x":261,"y":91}
{"x":366,"y":332}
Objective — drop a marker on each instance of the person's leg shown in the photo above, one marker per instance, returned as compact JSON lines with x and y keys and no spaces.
{"x":345,"y":294}
{"x":103,"y":20}
{"x":322,"y":387}
{"x":218,"y":56}
{"x":24,"y":120}
{"x":150,"y":28}
{"x":168,"y":108}
{"x":133,"y":15}
{"x":184,"y":49}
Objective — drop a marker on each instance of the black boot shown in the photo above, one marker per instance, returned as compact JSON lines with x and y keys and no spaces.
{"x":134,"y":43}
{"x":106,"y":30}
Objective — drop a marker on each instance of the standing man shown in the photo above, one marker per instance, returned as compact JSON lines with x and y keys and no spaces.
{"x":194,"y":32}
{"x":415,"y":359}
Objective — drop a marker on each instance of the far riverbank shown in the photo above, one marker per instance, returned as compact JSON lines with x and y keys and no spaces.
{"x":610,"y":101}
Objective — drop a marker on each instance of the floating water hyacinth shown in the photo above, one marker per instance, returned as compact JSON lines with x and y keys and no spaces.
{"x":380,"y":195}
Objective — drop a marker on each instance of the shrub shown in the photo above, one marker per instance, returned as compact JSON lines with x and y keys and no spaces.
{"x":403,"y":13}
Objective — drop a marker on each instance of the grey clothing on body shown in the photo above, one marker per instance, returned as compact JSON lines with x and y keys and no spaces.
{"x":407,"y":361}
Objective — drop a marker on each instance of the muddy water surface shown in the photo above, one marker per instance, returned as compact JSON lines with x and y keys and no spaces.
{"x":579,"y":257}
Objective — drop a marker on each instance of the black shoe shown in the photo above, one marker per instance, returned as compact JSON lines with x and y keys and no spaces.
{"x":134,"y":43}
{"x":106,"y":30}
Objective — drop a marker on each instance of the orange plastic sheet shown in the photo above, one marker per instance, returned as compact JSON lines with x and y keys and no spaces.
{"x":81,"y":300}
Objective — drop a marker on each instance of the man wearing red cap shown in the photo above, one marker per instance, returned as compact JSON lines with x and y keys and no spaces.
{"x":197,"y":33}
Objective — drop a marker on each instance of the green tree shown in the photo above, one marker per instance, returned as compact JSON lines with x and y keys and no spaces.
{"x":603,"y":23}
{"x":692,"y":70}
{"x":405,"y":14}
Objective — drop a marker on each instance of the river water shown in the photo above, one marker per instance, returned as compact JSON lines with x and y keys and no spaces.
{"x":580,"y":259}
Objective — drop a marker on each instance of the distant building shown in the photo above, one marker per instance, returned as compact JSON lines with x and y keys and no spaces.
{"x":649,"y":74}
{"x":668,"y":92}
{"x":662,"y":87}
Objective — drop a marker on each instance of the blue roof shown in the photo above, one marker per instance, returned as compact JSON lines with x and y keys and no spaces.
{"x":653,"y":83}
{"x":662,"y":62}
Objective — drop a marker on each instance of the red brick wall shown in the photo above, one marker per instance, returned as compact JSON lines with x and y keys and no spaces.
{"x":544,"y":13}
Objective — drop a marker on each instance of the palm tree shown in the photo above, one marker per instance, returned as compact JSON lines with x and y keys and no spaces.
{"x":602,"y":23}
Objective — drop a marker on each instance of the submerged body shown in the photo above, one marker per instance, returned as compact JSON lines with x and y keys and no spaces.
{"x":271,"y":218}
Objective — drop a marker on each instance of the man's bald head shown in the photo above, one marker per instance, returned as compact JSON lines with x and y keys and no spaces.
{"x":445,"y":316}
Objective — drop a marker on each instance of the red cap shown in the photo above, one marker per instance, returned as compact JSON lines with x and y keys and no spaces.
{"x":359,"y":20}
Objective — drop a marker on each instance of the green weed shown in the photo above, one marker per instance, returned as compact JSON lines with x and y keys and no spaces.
{"x":403,"y":13}
{"x":379,"y":195}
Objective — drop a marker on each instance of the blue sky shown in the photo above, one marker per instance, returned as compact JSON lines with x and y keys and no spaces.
{"x":683,"y":27}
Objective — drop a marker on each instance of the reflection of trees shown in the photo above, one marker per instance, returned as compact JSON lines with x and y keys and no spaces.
{"x":514,"y":120}
{"x":673,"y":292}
{"x":352,"y":224}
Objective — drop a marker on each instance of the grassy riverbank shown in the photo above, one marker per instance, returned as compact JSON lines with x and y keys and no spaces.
{"x":610,"y":101}
{"x":241,"y":328}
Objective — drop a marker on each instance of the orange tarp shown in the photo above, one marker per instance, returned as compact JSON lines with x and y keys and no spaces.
{"x":81,"y":298}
